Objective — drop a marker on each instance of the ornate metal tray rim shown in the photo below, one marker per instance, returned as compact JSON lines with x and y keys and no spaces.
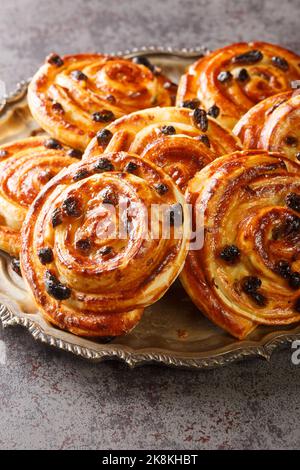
{"x":147,"y":356}
{"x":124,"y":353}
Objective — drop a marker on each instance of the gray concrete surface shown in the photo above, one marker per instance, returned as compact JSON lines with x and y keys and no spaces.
{"x":49,"y":399}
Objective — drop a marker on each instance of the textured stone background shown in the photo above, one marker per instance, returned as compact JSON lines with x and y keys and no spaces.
{"x":49,"y":399}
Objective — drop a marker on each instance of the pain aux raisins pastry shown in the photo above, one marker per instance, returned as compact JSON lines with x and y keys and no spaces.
{"x":25,"y":167}
{"x":238,"y":76}
{"x":94,"y":255}
{"x":75,"y":96}
{"x":273,"y":124}
{"x":178,"y":140}
{"x":247,"y":273}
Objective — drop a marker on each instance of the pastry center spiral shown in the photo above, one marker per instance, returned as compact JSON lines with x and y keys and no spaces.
{"x":107,"y":234}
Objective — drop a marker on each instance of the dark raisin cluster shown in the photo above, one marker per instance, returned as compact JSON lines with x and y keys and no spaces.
{"x":103,"y":164}
{"x":283,"y":268}
{"x":204,"y":139}
{"x":293,"y":201}
{"x":45,"y":255}
{"x":161,"y":188}
{"x":250,"y":57}
{"x":289,"y":228}
{"x":16,"y":267}
{"x":168,"y":130}
{"x":191,"y":104}
{"x":55,"y":59}
{"x":105,"y":251}
{"x":130,"y":167}
{"x":103,"y":137}
{"x":109,"y":197}
{"x":53,"y":144}
{"x":56,"y":217}
{"x":81,"y":174}
{"x":243,"y":75}
{"x":79,"y":75}
{"x":200,"y":119}
{"x":142,"y":60}
{"x":84,"y":245}
{"x":250,"y":285}
{"x":75,"y":153}
{"x":103,"y":116}
{"x":280,"y":62}
{"x":230,"y":254}
{"x":224,"y":76}
{"x":57,"y":107}
{"x":72,"y":207}
{"x":55,"y":288}
{"x":214,"y":111}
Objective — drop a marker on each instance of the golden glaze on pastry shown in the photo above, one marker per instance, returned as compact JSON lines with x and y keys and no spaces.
{"x":236,"y":77}
{"x":25,"y":167}
{"x":180,"y":141}
{"x":94,"y":282}
{"x":247,"y":272}
{"x":274,"y":125}
{"x":75,"y":96}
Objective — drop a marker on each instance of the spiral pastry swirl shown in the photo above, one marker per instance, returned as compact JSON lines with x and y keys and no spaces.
{"x":75,"y":96}
{"x":274,"y":125}
{"x":229,"y":81}
{"x":247,"y":271}
{"x":25,"y":167}
{"x":178,"y":140}
{"x":86,"y":274}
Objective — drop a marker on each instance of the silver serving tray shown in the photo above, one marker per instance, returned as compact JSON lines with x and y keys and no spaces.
{"x":172,"y":331}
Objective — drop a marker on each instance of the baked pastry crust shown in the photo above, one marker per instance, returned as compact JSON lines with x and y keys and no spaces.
{"x":106,"y":280}
{"x":170,"y":137}
{"x":25,"y":167}
{"x":75,"y":96}
{"x":274,"y":125}
{"x":247,"y":271}
{"x":236,"y":77}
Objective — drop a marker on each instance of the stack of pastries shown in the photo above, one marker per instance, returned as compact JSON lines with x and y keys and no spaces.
{"x":128,"y":155}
